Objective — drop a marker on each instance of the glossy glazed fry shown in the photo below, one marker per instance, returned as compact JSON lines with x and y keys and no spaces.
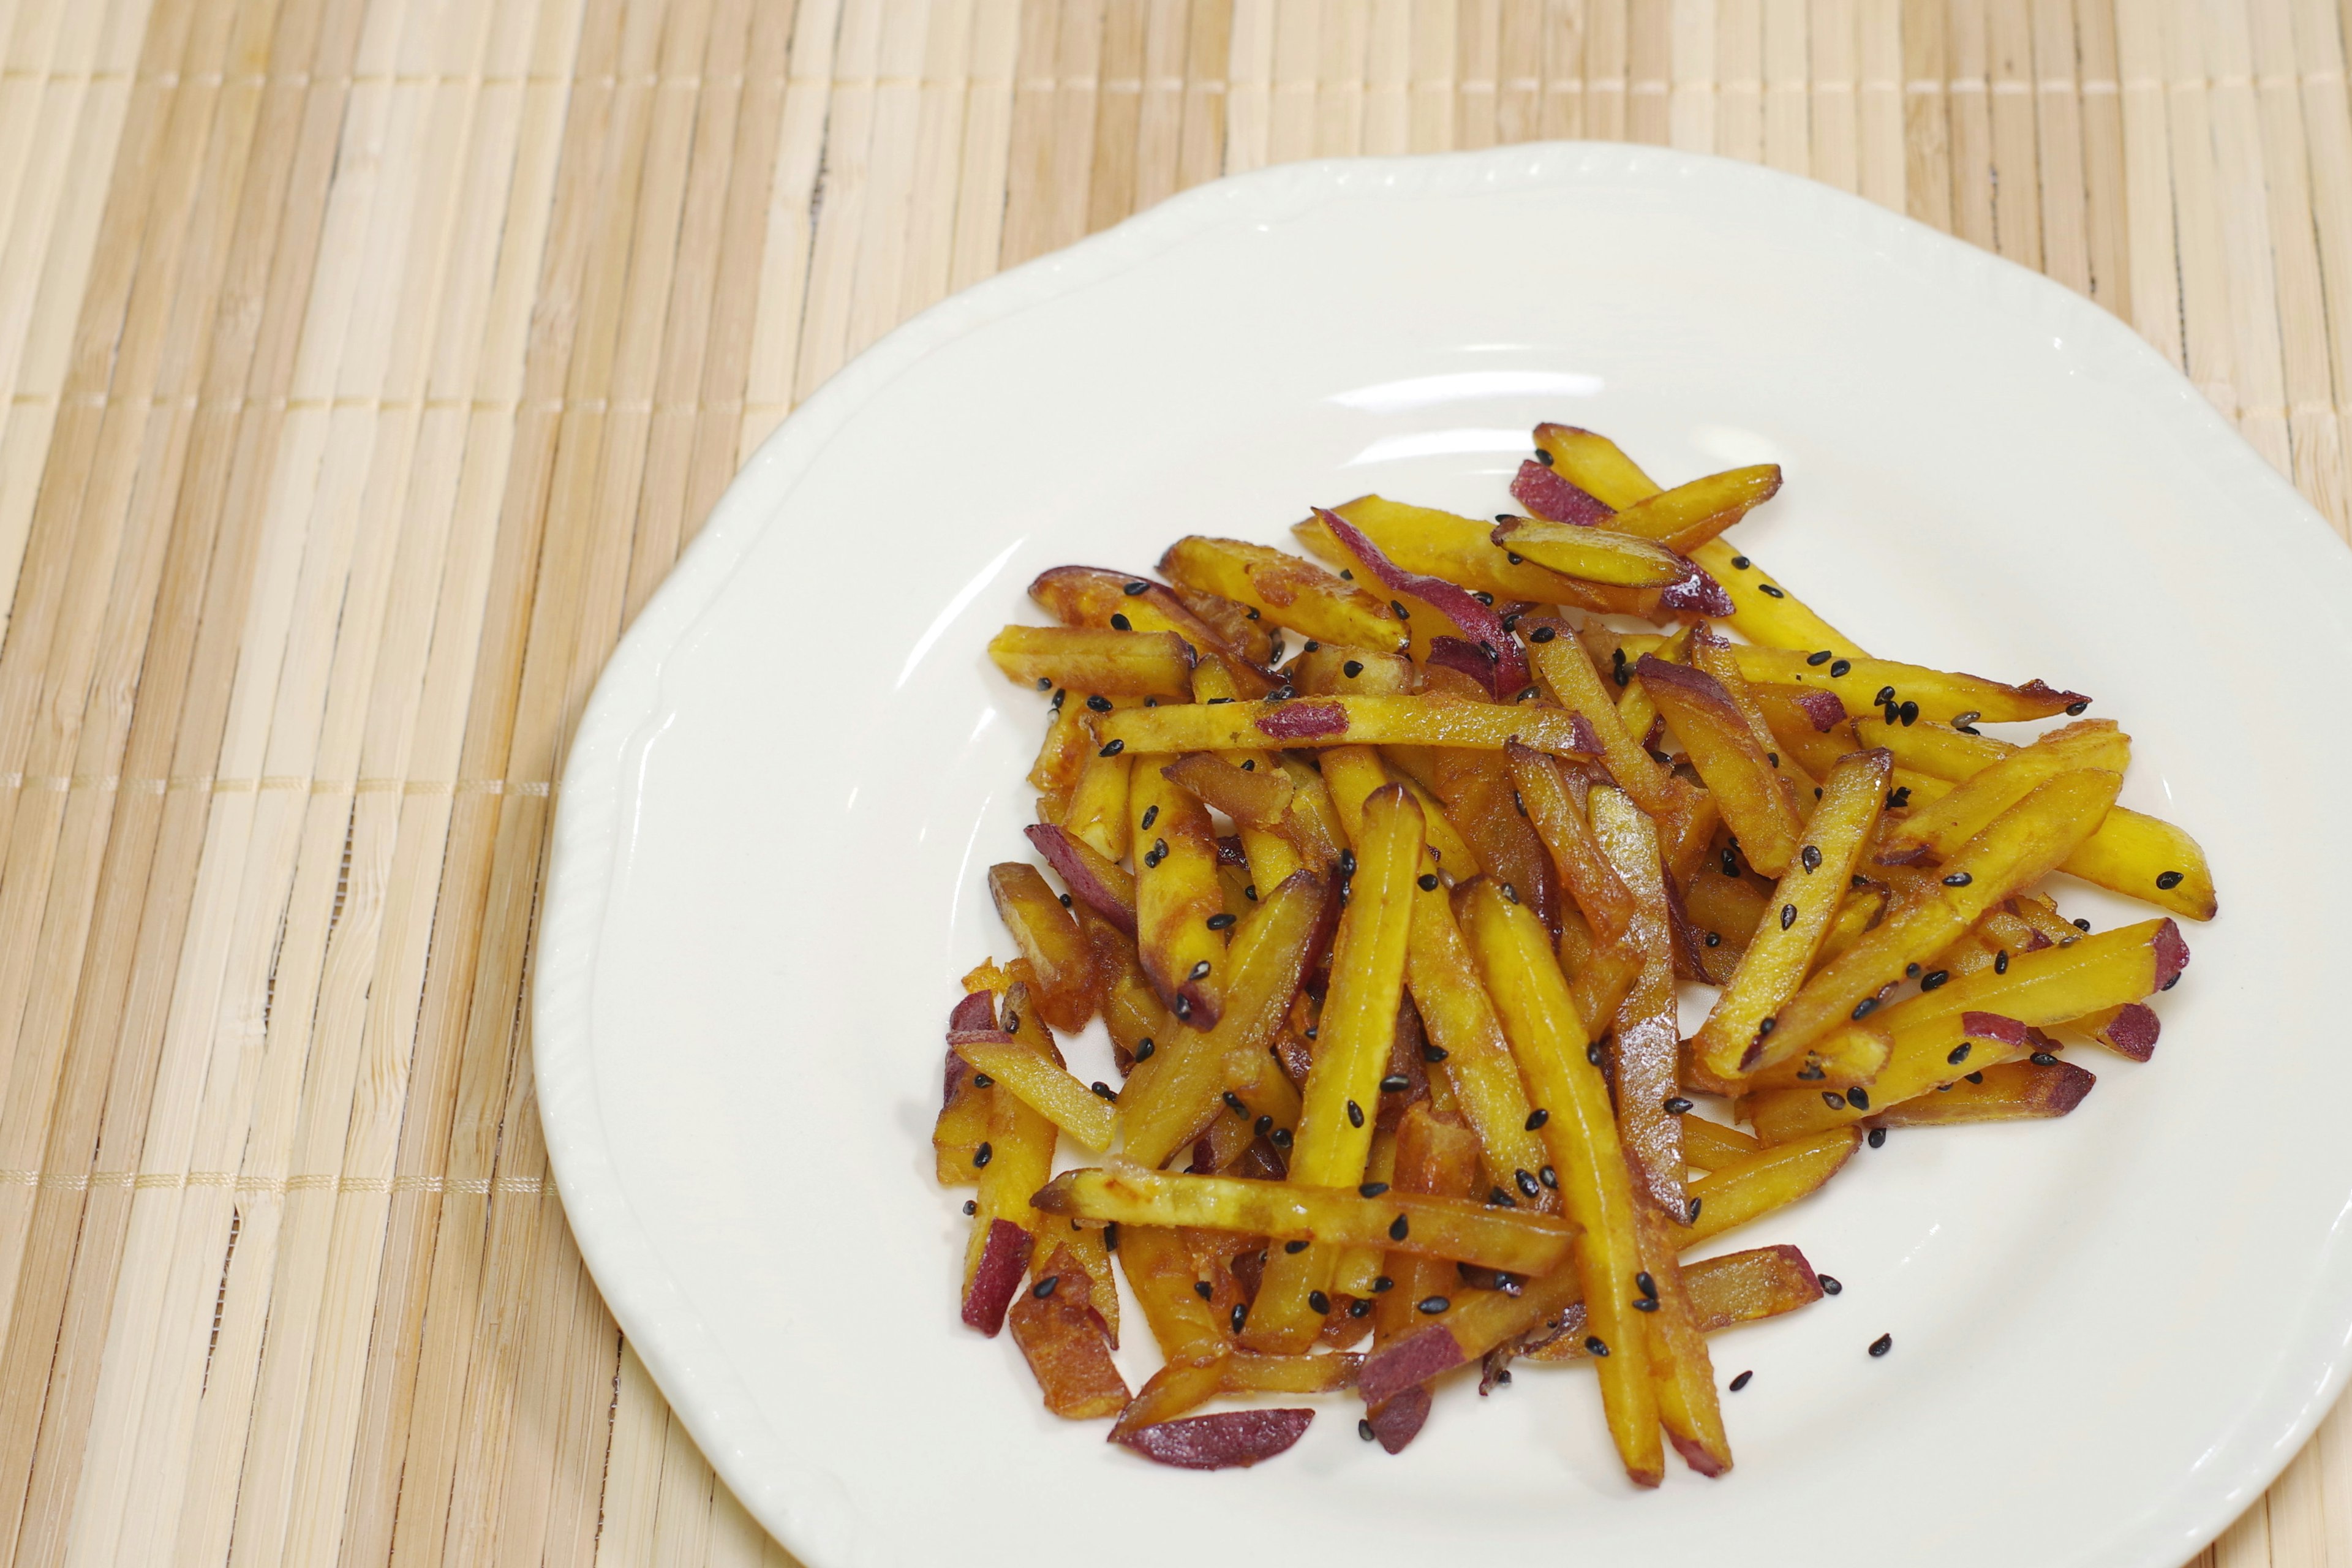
{"x":1919,"y":1057}
{"x":1116,"y":664}
{"x":1679,"y":1364}
{"x":1644,"y":1035}
{"x":1357,"y":1031}
{"x":1567,"y":672}
{"x":1173,"y":1093}
{"x":2008,"y":1091}
{"x":1454,"y":1010}
{"x":1750,"y":1189}
{"x":1019,"y":1148}
{"x":1063,"y":755}
{"x":1713,"y":654}
{"x":1176,"y":895}
{"x":1732,"y":907}
{"x":1253,"y":797}
{"x":2138,"y":856}
{"x":1588,"y":1158}
{"x":1096,"y":815}
{"x":1736,"y":1287}
{"x":1049,"y":939}
{"x":1421,"y":539}
{"x":1104,"y":600}
{"x":1590,"y":554}
{"x":1938,"y":828}
{"x":1710,"y":1145}
{"x":1440,"y":1160}
{"x":1039,"y":1083}
{"x":2056,"y":984}
{"x":1940,"y":694}
{"x":1063,"y":1339}
{"x":1851,"y":1055}
{"x":1740,"y":773}
{"x":1474,"y":788}
{"x":1557,"y":814}
{"x":1243,"y":629}
{"x":2015,"y":850}
{"x":1273,"y":852}
{"x":1334,"y":669}
{"x":1512,"y":1241}
{"x":1806,"y":902}
{"x":1764,"y":611}
{"x":963,"y":1124}
{"x":1450,"y":624}
{"x":1688,"y":516}
{"x":1481,"y":1322}
{"x":1285,"y":589}
{"x":1341,"y":721}
{"x":1095,"y":880}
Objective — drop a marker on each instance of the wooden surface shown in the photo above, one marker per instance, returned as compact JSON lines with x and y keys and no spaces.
{"x":364,"y":365}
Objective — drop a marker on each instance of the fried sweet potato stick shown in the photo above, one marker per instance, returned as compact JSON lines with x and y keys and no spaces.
{"x":1808,"y":896}
{"x":1736,"y":1287}
{"x":2055,"y":984}
{"x":1588,"y":1159}
{"x":1066,"y":1342}
{"x":2006,"y":1091}
{"x":1644,"y":1035}
{"x":1442,"y":544}
{"x":1315,"y":721}
{"x":1116,"y":664}
{"x":1566,"y":672}
{"x":1742,"y":774}
{"x":1095,"y":597}
{"x":1039,"y":1083}
{"x":1918,"y":1058}
{"x":1750,"y":1189}
{"x":1940,"y":827}
{"x":1558,"y":818}
{"x":1440,"y":1160}
{"x":2015,"y":850}
{"x":1511,"y":1241}
{"x":1049,"y":939}
{"x":1174,"y":1093}
{"x":1454,"y":1011}
{"x":1679,"y":1363}
{"x":1177,"y":894}
{"x":1013,"y":1162}
{"x":1357,"y":1030}
{"x":1592,"y":554}
{"x":1285,"y":589}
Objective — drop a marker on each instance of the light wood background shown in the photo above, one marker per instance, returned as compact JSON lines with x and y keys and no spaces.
{"x":365,"y":363}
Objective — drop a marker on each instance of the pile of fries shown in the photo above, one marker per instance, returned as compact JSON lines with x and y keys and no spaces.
{"x":1389,"y":934}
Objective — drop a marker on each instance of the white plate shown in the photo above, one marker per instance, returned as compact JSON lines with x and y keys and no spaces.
{"x":2110,"y":1333}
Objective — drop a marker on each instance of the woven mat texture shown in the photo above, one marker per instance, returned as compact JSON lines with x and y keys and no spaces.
{"x":365,"y":363}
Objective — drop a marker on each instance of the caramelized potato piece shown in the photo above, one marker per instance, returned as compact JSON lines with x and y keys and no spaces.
{"x":1096,"y":814}
{"x":2007,"y":1092}
{"x":1688,"y":516}
{"x":1512,"y":1241}
{"x":1733,"y":1040}
{"x":1592,"y":554}
{"x":1918,"y":1058}
{"x":1941,"y":828}
{"x":1556,"y":811}
{"x":1283,"y":589}
{"x":1740,"y":771}
{"x":1357,"y":1031}
{"x":2056,"y":984}
{"x":1049,"y":939}
{"x":1566,"y":671}
{"x":1253,"y":797}
{"x":1730,"y":907}
{"x":1764,"y":611}
{"x":1589,"y":1159}
{"x":1440,"y":1160}
{"x":963,"y":1124}
{"x":1644,"y":1035}
{"x":1065,"y":1343}
{"x":1710,"y":1145}
{"x":1750,"y":1189}
{"x":1174,"y":1093}
{"x":1094,"y":878}
{"x":1116,"y":664}
{"x":1428,"y":721}
{"x":1177,"y":894}
{"x":1334,"y":669}
{"x":1243,"y":629}
{"x":1095,"y":597}
{"x":1941,"y":695}
{"x":1850,"y":1055}
{"x":1063,"y":755}
{"x":1449,"y":623}
{"x":1044,"y":1086}
{"x":1019,"y":1156}
{"x":1230,"y":1439}
{"x":1442,"y":544}
{"x":2015,"y":850}
{"x":1736,"y":1287}
{"x":1679,"y":1364}
{"x":1159,"y":1270}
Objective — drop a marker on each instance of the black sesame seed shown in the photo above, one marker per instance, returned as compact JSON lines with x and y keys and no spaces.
{"x":2042,"y":1059}
{"x":1219,"y":922}
{"x":1858,"y":1096}
{"x":1310,"y":646}
{"x":1121,"y":624}
{"x":1200,"y":971}
{"x":1542,"y":634}
{"x":1318,"y":1302}
{"x":2000,"y":962}
{"x":1347,"y":862}
{"x":2171,"y":983}
{"x":1347,"y":574}
{"x":1371,"y":1189}
{"x":1355,"y":1114}
{"x":971,"y":1205}
{"x":983,"y":1154}
{"x":1959,"y":1054}
{"x":2082,"y":925}
{"x":1352,"y":669}
{"x":1382,"y":1285}
{"x":1358,"y":1307}
{"x":1426,"y":881}
{"x":1401,"y":612}
{"x":1364,"y":1429}
{"x":1882,"y":1344}
{"x":1516,"y":559}
{"x":2168,"y":880}
{"x":1910,"y":714}
{"x":1885,"y":695}
{"x":1788,"y":916}
{"x":1898,"y":797}
{"x":1044,"y":683}
{"x":1959,"y":879}
{"x":1104,"y":1091}
{"x":1281,"y":1136}
{"x":1878,"y":1137}
{"x":1676,"y":1105}
{"x":1740,"y":563}
{"x":1241,"y":1315}
{"x":1811,"y":858}
{"x":1767,"y":1027}
{"x":1842,"y":667}
{"x":1715,"y":938}
{"x":1834,"y":1100}
{"x":1537,"y":1117}
{"x":1395,"y":1083}
{"x":1099,"y":704}
{"x":1830,"y":1287}
{"x":1529,"y":695}
{"x":1526,"y":1183}
{"x":1432,"y":1305}
{"x":981,"y":1080}
{"x":1741,"y":1381}
{"x":1234,"y":1103}
{"x":1548,"y":1176}
{"x":1511,"y":892}
{"x":1773,"y":758}
{"x":1934,"y":978}
{"x":1114,"y":749}
{"x":1768,"y":589}
{"x":1730,"y":864}
{"x":1397,"y":1232}
{"x":1691,"y":1217}
{"x":1066,"y":901}
{"x":1483,"y":596}
{"x":1592,"y":1052}
{"x":2076,"y":709}
{"x":1143,"y":1049}
{"x":1976,"y":1077}
{"x":1151,"y":813}
{"x":1596,"y":1345}
{"x":1262,"y":1126}
{"x":1646,"y":1306}
{"x":1250,"y":892}
{"x":1433,"y":1053}
{"x":1864,"y":1008}
{"x":1822,"y":658}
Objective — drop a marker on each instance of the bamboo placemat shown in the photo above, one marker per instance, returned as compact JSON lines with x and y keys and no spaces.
{"x":367,"y":363}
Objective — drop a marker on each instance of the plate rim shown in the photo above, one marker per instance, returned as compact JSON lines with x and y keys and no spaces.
{"x":799,"y":1506}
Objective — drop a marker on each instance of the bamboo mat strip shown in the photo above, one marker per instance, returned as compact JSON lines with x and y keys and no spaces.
{"x":364,"y":365}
